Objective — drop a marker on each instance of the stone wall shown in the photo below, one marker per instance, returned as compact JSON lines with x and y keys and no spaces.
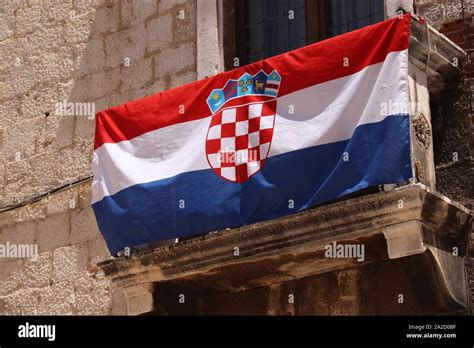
{"x":109,"y":52}
{"x":453,"y":130}
{"x":440,"y":12}
{"x":99,"y":51}
{"x":452,"y":121}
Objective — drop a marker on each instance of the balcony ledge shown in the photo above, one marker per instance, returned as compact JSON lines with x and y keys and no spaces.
{"x":406,"y":221}
{"x":434,"y":53}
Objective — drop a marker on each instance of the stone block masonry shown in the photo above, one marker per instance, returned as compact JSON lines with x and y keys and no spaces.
{"x":64,"y":279}
{"x":454,"y":140}
{"x":108,"y":52}
{"x":105,"y":52}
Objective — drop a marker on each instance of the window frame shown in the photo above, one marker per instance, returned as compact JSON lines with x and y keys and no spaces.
{"x":235,"y":16}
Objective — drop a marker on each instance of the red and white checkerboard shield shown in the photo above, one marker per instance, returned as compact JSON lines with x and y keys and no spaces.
{"x":239,"y":139}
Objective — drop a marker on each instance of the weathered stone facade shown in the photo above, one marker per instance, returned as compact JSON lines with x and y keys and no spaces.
{"x":110,"y":52}
{"x":452,"y":119}
{"x":105,"y":52}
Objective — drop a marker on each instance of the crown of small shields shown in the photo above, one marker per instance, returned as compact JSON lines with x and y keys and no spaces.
{"x":258,"y":84}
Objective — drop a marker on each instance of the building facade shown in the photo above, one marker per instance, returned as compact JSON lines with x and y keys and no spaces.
{"x":62,"y":60}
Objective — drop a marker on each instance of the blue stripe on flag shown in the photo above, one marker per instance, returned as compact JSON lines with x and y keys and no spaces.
{"x":378,"y":153}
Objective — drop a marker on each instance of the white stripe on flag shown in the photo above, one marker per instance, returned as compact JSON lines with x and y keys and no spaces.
{"x":323,"y":113}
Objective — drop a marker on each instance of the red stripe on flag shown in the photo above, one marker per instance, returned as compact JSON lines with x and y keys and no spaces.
{"x":301,"y":68}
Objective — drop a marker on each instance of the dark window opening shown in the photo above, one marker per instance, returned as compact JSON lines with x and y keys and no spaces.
{"x":265,"y":28}
{"x":347,"y":15}
{"x":274,"y":26}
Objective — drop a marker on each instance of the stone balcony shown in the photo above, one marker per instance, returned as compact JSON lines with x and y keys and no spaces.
{"x":409,"y":220}
{"x":414,"y":241}
{"x":435,"y":54}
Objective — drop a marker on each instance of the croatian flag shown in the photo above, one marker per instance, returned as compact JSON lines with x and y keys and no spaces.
{"x":259,"y":142}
